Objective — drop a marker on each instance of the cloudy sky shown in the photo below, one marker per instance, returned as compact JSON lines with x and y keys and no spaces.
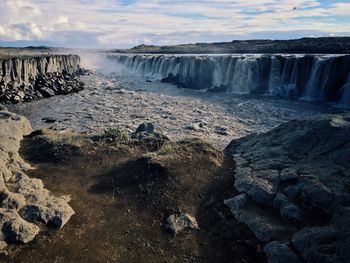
{"x":126,"y":23}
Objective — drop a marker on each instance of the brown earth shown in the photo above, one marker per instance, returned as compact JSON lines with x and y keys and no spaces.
{"x":122,"y":194}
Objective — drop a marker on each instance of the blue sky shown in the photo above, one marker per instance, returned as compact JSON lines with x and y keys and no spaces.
{"x":126,"y":23}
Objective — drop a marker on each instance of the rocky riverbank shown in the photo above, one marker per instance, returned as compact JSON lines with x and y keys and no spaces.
{"x":27,"y":78}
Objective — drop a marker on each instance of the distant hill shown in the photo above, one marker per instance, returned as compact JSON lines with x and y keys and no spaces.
{"x":323,"y":45}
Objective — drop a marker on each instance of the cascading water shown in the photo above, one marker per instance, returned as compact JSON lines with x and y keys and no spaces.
{"x":309,"y":77}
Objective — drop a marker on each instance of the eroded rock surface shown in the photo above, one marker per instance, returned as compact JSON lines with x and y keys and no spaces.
{"x":24,"y":202}
{"x":294,"y":184}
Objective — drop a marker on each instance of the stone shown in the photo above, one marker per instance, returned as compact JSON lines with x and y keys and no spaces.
{"x":316,"y":193}
{"x":46,"y":92}
{"x":3,"y":244}
{"x":41,"y":205}
{"x":12,"y":200}
{"x":222,"y":131}
{"x":194,"y":127}
{"x":49,"y":120}
{"x":288,"y":210}
{"x":291,"y":212}
{"x":323,"y":244}
{"x":20,"y":94}
{"x":14,"y":228}
{"x":279,"y":253}
{"x":288,"y":174}
{"x":261,"y":222}
{"x":179,"y":222}
{"x":16,"y":99}
{"x":237,"y":203}
{"x":261,"y":192}
{"x":243,"y":179}
{"x":145,"y":127}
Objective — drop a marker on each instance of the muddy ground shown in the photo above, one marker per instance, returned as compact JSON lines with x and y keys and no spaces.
{"x":123,"y":192}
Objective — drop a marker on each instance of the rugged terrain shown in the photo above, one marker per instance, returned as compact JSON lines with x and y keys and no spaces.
{"x":137,"y":196}
{"x":290,"y":187}
{"x":294,"y":188}
{"x":323,"y":45}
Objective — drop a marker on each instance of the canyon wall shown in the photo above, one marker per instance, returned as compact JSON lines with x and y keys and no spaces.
{"x":310,"y":77}
{"x":29,"y":78}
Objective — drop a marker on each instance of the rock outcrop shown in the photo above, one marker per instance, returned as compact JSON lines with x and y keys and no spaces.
{"x":25,"y":205}
{"x":294,"y":189}
{"x":32,"y":78}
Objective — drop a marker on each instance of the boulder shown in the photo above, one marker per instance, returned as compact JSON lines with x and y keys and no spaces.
{"x":145,"y":127}
{"x":279,"y":253}
{"x":46,"y":92}
{"x":14,"y":228}
{"x":176,"y":223}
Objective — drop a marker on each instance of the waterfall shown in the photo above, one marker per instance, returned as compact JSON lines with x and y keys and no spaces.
{"x":309,"y":77}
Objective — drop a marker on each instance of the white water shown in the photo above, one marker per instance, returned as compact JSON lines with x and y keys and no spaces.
{"x":309,"y":77}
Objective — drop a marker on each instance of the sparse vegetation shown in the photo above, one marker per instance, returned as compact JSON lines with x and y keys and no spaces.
{"x":117,"y":134}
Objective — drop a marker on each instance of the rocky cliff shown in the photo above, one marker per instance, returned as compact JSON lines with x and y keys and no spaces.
{"x":30,"y":78}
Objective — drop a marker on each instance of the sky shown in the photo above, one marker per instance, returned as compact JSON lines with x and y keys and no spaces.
{"x":127,"y":23}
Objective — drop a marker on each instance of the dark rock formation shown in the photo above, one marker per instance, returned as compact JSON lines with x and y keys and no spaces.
{"x":32,"y":78}
{"x":294,"y":184}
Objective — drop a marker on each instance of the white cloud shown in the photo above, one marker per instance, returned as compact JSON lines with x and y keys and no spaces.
{"x":114,"y":23}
